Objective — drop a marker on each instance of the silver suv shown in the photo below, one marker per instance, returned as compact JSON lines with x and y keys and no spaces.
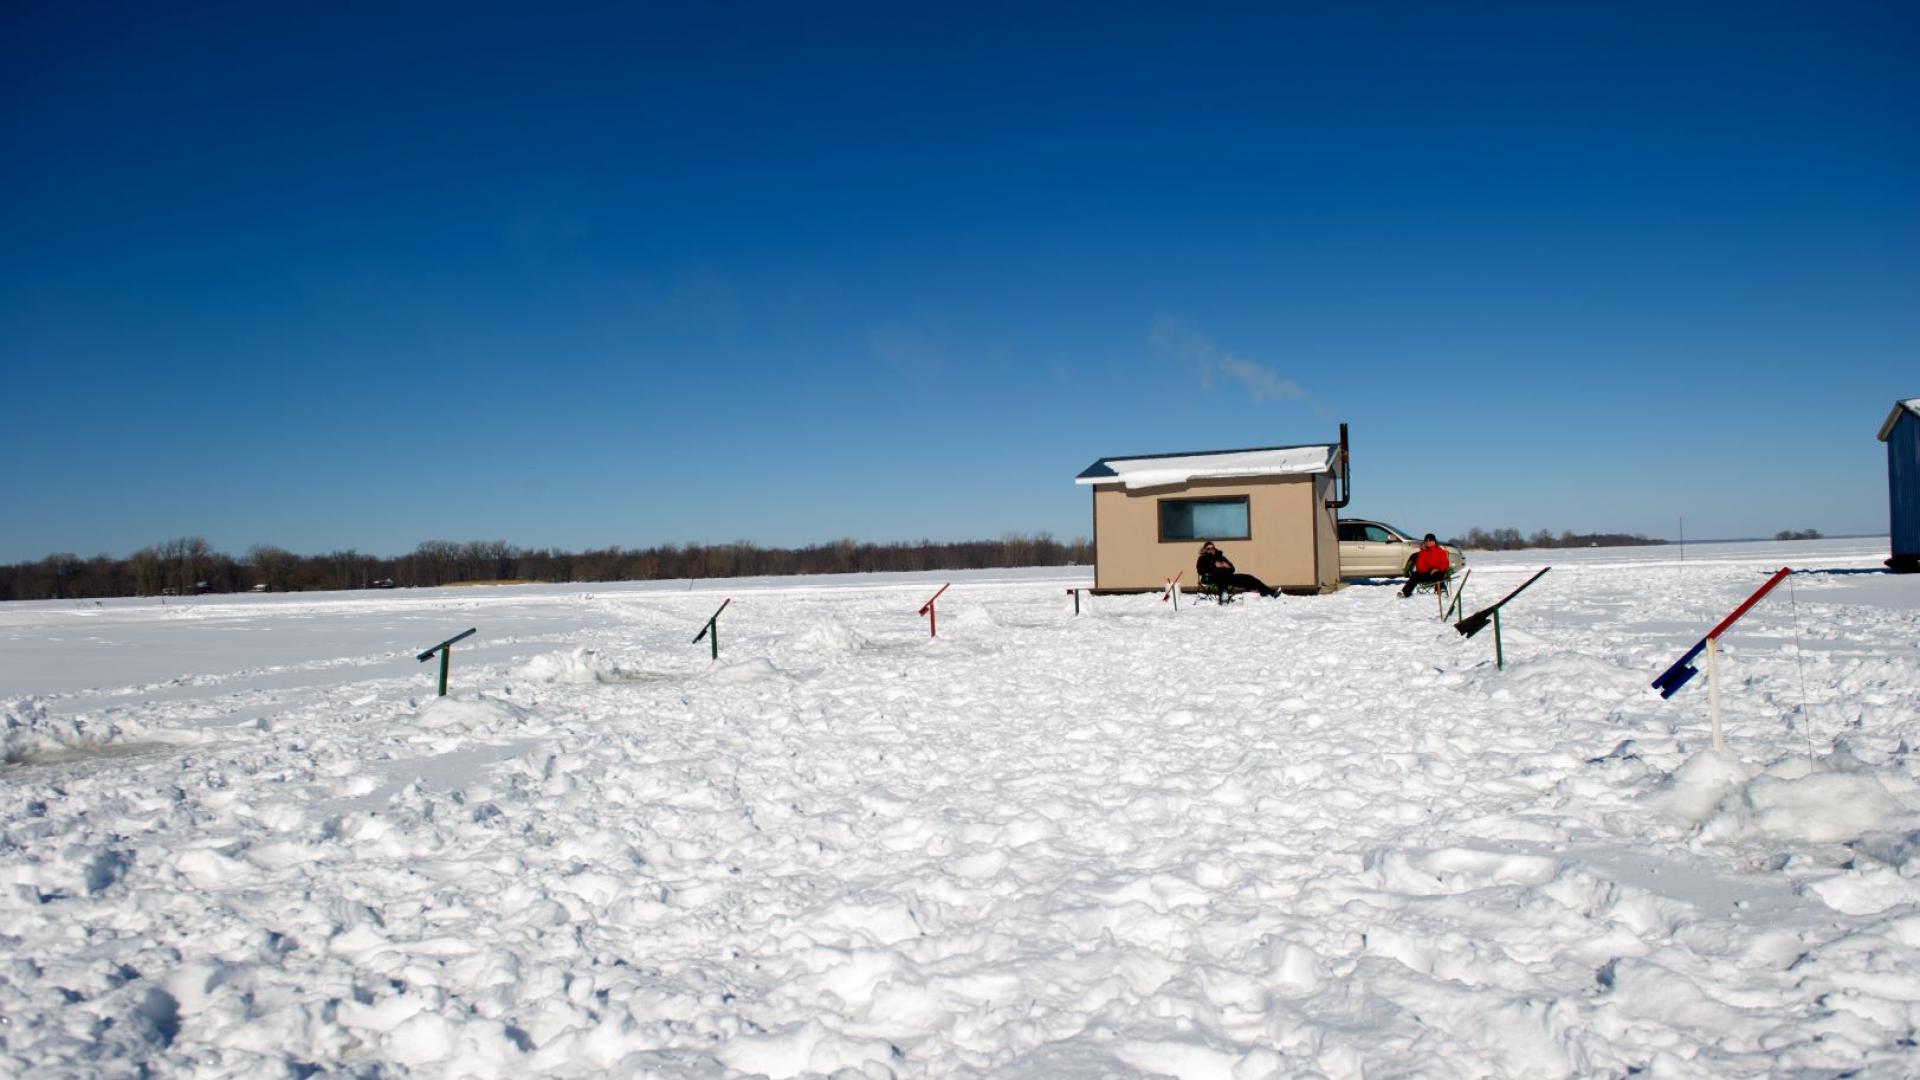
{"x":1376,"y":549}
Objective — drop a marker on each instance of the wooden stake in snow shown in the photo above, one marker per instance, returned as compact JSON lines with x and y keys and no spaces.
{"x":712,"y":630}
{"x":1478,"y":621}
{"x":445,"y":649}
{"x":1459,"y":596}
{"x":933,"y":622}
{"x":1676,"y":676}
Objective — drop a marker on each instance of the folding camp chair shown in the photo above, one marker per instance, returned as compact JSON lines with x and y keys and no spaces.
{"x":1213,"y":590}
{"x":1442,"y":591}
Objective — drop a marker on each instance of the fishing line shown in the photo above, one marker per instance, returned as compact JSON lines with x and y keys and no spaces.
{"x":1806,"y":711}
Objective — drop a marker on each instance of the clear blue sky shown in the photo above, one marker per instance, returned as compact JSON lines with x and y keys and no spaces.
{"x":578,"y":276}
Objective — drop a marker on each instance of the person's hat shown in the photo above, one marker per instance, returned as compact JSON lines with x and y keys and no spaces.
{"x":1429,"y":536}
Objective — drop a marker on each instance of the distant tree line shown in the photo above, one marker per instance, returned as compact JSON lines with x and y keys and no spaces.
{"x":1513,"y":540}
{"x":188,"y":566}
{"x":1797,"y":534}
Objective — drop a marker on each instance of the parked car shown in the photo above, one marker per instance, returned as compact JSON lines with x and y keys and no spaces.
{"x":1376,"y":549}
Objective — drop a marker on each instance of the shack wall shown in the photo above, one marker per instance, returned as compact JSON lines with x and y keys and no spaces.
{"x":1292,"y":543}
{"x":1903,"y":486}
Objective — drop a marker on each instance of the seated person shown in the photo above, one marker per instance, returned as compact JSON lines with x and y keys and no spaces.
{"x":1217,"y":570}
{"x":1431,"y":565}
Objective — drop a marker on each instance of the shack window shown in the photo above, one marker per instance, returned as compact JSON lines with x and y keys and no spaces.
{"x":1204,"y":519}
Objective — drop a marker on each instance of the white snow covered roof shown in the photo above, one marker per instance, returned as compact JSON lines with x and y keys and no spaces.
{"x":1160,"y":470}
{"x":1911,"y":405}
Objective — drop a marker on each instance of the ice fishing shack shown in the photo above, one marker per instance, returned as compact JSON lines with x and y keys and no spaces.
{"x":1901,"y":433}
{"x":1271,"y":509}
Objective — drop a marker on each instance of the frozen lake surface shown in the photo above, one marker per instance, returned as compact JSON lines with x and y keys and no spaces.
{"x":1283,"y":837}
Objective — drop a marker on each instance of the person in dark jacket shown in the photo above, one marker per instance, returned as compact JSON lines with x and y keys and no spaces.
{"x":1216,"y":569}
{"x":1430,"y":565}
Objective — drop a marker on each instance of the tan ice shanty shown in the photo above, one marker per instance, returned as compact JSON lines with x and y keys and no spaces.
{"x":1268,"y":509}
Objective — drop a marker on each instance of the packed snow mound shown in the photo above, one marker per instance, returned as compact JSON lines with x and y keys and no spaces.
{"x":1866,"y":890}
{"x":27,"y":732}
{"x":25,"y":726}
{"x":970,"y":616}
{"x":1821,"y":808}
{"x":578,"y":667}
{"x":809,"y":1048}
{"x":831,"y":636}
{"x":1899,"y":849}
{"x":1835,"y":801}
{"x":472,"y":716}
{"x":1696,"y":788}
{"x":1449,"y":871}
{"x":1558,"y":671}
{"x":755,"y":670}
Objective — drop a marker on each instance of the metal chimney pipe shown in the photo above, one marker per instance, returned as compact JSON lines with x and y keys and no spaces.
{"x":1346,"y":474}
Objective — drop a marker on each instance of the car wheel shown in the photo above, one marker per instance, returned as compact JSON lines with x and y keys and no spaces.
{"x":1408,"y":572}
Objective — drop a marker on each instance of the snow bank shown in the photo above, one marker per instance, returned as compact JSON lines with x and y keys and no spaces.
{"x":1814,"y":808}
{"x":1793,"y":801}
{"x":577,"y":666}
{"x":28,"y":733}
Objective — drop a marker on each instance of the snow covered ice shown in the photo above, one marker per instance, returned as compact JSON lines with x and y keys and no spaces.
{"x":1292,"y":837}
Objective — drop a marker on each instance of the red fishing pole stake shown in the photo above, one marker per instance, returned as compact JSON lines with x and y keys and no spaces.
{"x":933,"y":628}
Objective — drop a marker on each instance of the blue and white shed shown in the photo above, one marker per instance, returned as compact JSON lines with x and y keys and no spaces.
{"x":1901,"y":433}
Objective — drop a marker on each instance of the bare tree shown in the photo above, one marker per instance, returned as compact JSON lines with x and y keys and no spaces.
{"x":185,"y":564}
{"x":272,"y":566}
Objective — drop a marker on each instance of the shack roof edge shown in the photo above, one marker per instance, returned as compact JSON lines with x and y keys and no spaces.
{"x":1910,"y":405}
{"x":1156,"y":470}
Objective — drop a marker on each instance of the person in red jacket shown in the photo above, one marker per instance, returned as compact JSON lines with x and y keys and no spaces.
{"x":1431,"y":564}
